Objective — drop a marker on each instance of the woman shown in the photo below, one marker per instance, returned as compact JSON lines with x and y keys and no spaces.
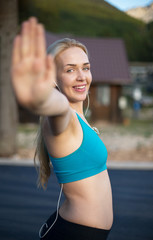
{"x":66,"y":139}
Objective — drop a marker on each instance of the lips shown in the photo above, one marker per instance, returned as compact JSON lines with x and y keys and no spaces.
{"x":80,"y":88}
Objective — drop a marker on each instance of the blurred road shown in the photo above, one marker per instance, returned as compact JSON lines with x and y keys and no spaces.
{"x":23,"y":207}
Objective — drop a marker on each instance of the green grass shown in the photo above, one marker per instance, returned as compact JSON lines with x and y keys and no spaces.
{"x":135,"y":127}
{"x":27,"y":128}
{"x":142,"y":128}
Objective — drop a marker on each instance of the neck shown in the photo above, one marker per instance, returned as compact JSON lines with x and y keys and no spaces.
{"x":78,"y":107}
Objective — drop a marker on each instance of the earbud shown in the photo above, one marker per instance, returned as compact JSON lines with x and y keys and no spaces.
{"x":57,"y":86}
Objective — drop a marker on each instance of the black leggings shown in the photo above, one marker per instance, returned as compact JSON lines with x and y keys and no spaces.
{"x":65,"y":230}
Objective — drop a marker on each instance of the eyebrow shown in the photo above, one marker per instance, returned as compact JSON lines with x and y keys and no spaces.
{"x":74,"y":65}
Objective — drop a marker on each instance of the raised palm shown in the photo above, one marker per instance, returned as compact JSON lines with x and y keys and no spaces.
{"x":33,"y":72}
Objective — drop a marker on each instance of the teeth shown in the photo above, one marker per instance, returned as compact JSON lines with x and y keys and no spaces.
{"x":81,"y":87}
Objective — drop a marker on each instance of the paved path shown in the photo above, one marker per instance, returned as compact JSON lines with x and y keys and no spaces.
{"x":23,"y":207}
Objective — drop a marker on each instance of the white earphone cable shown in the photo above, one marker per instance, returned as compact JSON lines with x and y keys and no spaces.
{"x":57,"y":211}
{"x":87,"y":104}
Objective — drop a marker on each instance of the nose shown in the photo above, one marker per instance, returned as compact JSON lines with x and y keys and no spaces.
{"x":81,"y":76}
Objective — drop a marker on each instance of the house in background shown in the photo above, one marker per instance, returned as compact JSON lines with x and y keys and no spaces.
{"x":110,"y":71}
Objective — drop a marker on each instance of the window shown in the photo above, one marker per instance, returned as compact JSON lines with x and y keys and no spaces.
{"x":103,"y":95}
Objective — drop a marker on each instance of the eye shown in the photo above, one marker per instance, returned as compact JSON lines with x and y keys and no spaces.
{"x":86,"y":68}
{"x":70,"y":70}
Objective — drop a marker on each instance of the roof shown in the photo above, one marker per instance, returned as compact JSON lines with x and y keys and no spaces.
{"x":108,"y":58}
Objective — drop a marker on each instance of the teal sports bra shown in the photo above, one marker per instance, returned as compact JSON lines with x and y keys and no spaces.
{"x":88,"y":160}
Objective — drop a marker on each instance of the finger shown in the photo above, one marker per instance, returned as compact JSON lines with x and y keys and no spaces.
{"x":49,"y":62}
{"x":50,"y":69}
{"x":33,"y":19}
{"x":16,"y":57}
{"x":40,"y":43}
{"x":25,"y":39}
{"x":32,"y":23}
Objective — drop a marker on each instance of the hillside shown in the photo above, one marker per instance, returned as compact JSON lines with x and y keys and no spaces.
{"x":143,"y":13}
{"x":93,"y":18}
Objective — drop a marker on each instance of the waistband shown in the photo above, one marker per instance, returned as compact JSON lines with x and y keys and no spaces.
{"x":66,"y":230}
{"x":83,"y":231}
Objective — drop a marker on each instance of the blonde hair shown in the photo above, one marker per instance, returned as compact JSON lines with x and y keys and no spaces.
{"x":41,"y":152}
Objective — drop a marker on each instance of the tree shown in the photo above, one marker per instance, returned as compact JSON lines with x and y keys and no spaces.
{"x":8,"y":106}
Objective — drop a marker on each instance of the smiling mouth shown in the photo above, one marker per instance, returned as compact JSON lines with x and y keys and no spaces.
{"x":80,"y":87}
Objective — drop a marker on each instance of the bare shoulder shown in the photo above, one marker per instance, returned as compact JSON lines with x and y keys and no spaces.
{"x":67,"y":141}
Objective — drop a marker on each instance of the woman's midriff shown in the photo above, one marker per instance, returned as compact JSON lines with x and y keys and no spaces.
{"x":89,"y":202}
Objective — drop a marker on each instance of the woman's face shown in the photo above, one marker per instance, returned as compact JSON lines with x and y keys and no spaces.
{"x":73,"y":74}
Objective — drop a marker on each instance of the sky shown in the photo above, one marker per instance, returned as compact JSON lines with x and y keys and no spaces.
{"x":124,"y":5}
